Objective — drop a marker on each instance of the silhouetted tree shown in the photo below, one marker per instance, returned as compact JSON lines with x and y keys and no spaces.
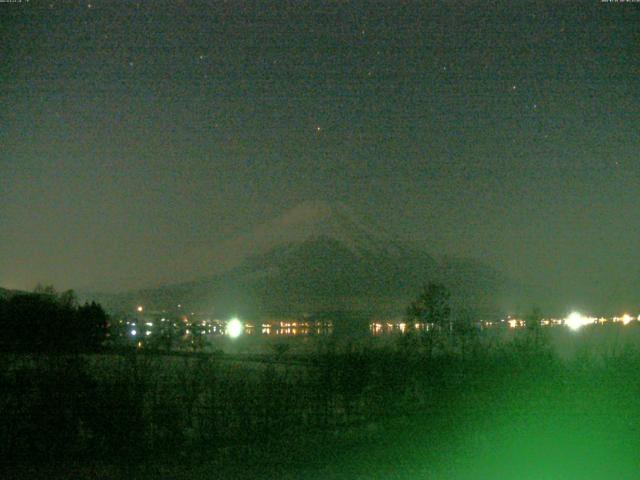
{"x":68,"y":299}
{"x":92,"y":322}
{"x":465,"y":329}
{"x":533,"y":320}
{"x":535,"y":334}
{"x":46,"y":322}
{"x":432,"y":307}
{"x":45,"y":290}
{"x":432,"y":310}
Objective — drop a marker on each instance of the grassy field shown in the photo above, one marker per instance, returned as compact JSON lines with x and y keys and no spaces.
{"x":566,"y":406}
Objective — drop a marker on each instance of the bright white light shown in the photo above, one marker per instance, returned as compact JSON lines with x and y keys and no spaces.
{"x":234,"y":328}
{"x":140,"y":308}
{"x":575,"y":320}
{"x":133,"y":333}
{"x":626,"y":318}
{"x":147,"y":333}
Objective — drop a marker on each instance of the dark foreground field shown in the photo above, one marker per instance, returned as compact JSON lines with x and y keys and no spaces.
{"x":512,"y":410}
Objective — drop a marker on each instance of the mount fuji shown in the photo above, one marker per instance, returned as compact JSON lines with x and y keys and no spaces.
{"x":323,"y":257}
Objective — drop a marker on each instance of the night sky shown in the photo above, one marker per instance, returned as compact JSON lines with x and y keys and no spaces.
{"x":134,"y":136}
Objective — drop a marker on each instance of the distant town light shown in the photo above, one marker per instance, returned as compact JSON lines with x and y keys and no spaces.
{"x":140,"y":308}
{"x":234,"y":328}
{"x":133,"y":333}
{"x":575,"y":320}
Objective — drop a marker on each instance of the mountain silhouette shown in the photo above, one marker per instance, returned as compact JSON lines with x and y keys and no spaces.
{"x":319,"y":257}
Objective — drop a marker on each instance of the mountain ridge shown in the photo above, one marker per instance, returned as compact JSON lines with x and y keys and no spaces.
{"x":321,"y":256}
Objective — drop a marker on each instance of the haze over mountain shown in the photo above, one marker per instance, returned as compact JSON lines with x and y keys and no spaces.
{"x":322,"y":257}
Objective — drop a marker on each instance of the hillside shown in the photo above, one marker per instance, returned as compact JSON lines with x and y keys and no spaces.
{"x":322,"y":257}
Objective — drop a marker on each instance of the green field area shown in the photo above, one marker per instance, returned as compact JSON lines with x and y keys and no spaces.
{"x":511,"y":407}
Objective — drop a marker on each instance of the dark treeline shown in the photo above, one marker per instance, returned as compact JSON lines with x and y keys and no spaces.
{"x":47,"y":321}
{"x":427,"y":397}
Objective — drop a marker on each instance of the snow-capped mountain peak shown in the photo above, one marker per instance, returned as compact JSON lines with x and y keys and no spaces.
{"x":334,"y":220}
